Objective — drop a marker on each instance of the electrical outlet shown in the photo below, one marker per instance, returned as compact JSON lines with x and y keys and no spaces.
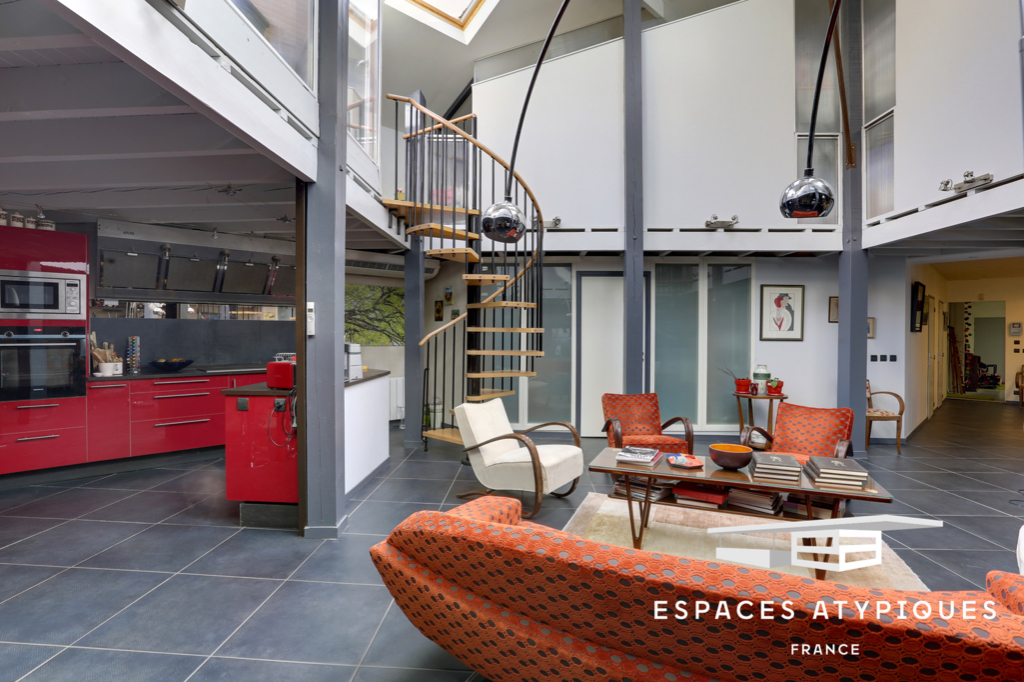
{"x":892,"y":358}
{"x":279,"y":404}
{"x":874,"y":358}
{"x":883,"y":358}
{"x":243,"y":404}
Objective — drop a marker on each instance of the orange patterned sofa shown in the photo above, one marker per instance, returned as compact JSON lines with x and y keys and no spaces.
{"x":517,"y":601}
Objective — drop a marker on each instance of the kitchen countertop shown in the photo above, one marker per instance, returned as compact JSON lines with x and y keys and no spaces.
{"x":192,"y":371}
{"x":264,"y":390}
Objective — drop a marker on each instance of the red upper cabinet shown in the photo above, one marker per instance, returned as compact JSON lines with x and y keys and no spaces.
{"x":109,"y":420}
{"x":44,"y":251}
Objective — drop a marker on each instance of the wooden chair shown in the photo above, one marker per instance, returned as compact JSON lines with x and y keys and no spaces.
{"x":878,"y":415}
{"x":808,"y":432}
{"x":505,"y":460}
{"x":636,"y":420}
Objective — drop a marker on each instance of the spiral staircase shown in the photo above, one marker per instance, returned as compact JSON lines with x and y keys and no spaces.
{"x":450,"y":179}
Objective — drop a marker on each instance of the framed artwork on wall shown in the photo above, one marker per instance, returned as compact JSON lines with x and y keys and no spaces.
{"x":833,"y":309}
{"x":438,"y":311}
{"x":871,"y":327}
{"x":782,"y":312}
{"x":917,"y":306}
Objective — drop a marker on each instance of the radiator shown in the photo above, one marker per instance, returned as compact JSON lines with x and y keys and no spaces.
{"x":397,"y":398}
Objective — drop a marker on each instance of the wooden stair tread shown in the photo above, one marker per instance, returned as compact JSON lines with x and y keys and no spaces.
{"x":484,"y":280}
{"x":489,"y":394}
{"x":442,"y":232}
{"x":459,"y":255}
{"x":517,"y":330}
{"x":448,"y":435}
{"x":519,"y":353}
{"x":499,"y":375}
{"x":412,"y":211}
{"x":501,"y":304}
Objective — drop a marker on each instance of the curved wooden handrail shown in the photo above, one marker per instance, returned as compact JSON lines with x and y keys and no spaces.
{"x":460,"y":119}
{"x":476,"y":143}
{"x":482,"y":147}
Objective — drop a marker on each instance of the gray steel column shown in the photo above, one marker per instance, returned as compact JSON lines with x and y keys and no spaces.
{"x":323,"y":396}
{"x":853,"y":261}
{"x":633,"y":256}
{"x":415,"y":290}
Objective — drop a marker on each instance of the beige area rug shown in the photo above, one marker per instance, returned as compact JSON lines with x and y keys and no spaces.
{"x":683,"y":532}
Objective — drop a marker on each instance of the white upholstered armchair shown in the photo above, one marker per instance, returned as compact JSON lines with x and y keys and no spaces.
{"x":505,"y":460}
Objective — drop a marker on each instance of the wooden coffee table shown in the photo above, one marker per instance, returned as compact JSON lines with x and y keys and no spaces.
{"x":714,"y":475}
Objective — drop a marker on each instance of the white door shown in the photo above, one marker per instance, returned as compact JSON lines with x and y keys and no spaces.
{"x":601,"y":347}
{"x":933,"y":364}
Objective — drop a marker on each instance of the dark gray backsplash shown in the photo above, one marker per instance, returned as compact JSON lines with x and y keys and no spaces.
{"x":206,"y":342}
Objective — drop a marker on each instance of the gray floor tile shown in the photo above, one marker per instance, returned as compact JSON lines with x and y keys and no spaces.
{"x":17,"y":497}
{"x":338,"y":622}
{"x":398,"y":675}
{"x":254,"y":553}
{"x":460,"y":487}
{"x":998,"y":501}
{"x":1001,"y":479}
{"x":85,"y":665}
{"x":416,"y":652}
{"x":1001,"y":530}
{"x":20,"y":659}
{"x":411,"y":490}
{"x":950,"y":481}
{"x":973,"y":566}
{"x":346,"y":560}
{"x":147,"y":507}
{"x":941,"y":538}
{"x":365,"y":489}
{"x":75,"y":482}
{"x":940,"y":502}
{"x":213,"y":511}
{"x":15,"y":578}
{"x":201,"y":481}
{"x":445,"y":471}
{"x":188,"y":615}
{"x":70,"y":604}
{"x":966,"y":466}
{"x":238,"y":670}
{"x":70,"y":504}
{"x":143,"y":479}
{"x":937,"y":578}
{"x":162,"y":548}
{"x":380,"y":518}
{"x":69,"y":543}
{"x":14,"y":529}
{"x":1011,"y":465}
{"x":548,"y":516}
{"x":893,"y":481}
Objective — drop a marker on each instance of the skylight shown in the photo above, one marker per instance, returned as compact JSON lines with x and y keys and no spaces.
{"x":455,"y":10}
{"x":458,"y":19}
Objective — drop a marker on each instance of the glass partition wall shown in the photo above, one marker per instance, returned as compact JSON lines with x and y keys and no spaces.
{"x":290,"y":28}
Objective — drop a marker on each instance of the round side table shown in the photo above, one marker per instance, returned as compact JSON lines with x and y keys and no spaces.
{"x":750,"y":408}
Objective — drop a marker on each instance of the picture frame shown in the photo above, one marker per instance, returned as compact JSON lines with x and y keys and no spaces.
{"x":455,"y":313}
{"x":438,"y":311}
{"x":871,"y":327}
{"x":782,"y":312}
{"x":449,"y":296}
{"x":833,"y":309}
{"x":917,"y":306}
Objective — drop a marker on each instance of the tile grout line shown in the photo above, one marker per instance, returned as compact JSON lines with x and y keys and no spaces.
{"x":370,"y":643}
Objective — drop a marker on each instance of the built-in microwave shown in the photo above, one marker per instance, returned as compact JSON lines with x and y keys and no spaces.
{"x":42,"y":296}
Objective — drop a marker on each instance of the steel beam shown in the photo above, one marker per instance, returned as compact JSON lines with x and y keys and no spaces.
{"x":415,"y":290}
{"x":633,"y":258}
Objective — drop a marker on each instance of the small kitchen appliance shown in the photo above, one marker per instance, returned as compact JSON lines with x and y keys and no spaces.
{"x":41,"y":296}
{"x":281,"y":375}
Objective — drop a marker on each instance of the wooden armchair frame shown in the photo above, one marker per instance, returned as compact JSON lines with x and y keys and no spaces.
{"x":844,"y":448}
{"x":538,"y":468}
{"x":898,"y":418}
{"x":616,"y":426}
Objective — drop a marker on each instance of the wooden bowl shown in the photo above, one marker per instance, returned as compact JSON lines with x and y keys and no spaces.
{"x":730,"y":456}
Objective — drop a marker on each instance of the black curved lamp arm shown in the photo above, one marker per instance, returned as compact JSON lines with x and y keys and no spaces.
{"x":526,"y":102}
{"x":809,"y":168}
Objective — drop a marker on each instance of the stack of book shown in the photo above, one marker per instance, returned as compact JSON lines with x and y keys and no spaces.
{"x":776,"y":467}
{"x":634,"y":455}
{"x":638,"y":488}
{"x":756,"y":500}
{"x":696,"y":495}
{"x":836,"y":474}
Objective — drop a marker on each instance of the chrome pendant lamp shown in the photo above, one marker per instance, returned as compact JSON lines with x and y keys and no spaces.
{"x":504,"y":221}
{"x":810,"y":196}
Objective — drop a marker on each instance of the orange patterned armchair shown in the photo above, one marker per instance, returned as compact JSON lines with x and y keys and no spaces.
{"x":636,"y":420}
{"x":808,"y":432}
{"x":517,"y":601}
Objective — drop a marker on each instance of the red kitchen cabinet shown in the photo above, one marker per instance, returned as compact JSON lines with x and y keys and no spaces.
{"x":42,"y":449}
{"x":184,"y":402}
{"x":21,"y":416}
{"x":169,"y":435}
{"x":258,"y":470}
{"x":109,"y":420}
{"x":173,"y":384}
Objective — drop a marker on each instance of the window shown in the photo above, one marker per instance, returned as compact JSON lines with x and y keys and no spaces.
{"x":549,"y":395}
{"x":702,"y":324}
{"x":455,"y":12}
{"x":290,"y":28}
{"x":879,"y":105}
{"x":826,"y":167}
{"x":363,"y":69}
{"x":879,"y":167}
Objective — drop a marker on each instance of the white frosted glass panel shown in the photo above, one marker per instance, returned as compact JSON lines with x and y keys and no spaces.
{"x":811,"y":24}
{"x":879,"y":57}
{"x":288,"y":25}
{"x":363,"y":86}
{"x":879,"y":145}
{"x":728,"y":344}
{"x":676,"y":325}
{"x":551,"y":390}
{"x":826,"y":167}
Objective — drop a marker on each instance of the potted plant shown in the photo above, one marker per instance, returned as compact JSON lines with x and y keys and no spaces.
{"x":742,"y":385}
{"x":775,"y":386}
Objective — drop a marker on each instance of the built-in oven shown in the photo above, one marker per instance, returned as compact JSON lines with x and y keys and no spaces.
{"x":41,"y":296}
{"x":42,"y":362}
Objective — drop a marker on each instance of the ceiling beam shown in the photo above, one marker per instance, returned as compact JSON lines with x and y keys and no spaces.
{"x":117,"y":199}
{"x":82,"y":91}
{"x":973,"y":235}
{"x":929,"y":244}
{"x":92,"y":139}
{"x":216,"y":170}
{"x":52,"y":42}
